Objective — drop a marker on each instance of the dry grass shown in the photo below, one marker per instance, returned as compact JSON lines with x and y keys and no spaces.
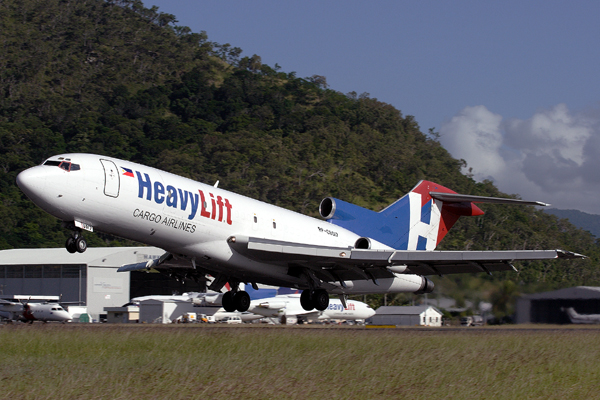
{"x":257,"y":362}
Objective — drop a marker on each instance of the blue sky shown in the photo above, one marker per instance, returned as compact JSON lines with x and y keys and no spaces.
{"x":513,"y":86}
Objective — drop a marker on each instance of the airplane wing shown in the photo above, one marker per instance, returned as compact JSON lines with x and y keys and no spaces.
{"x":333,"y":264}
{"x":351,"y":263}
{"x":177,"y":267}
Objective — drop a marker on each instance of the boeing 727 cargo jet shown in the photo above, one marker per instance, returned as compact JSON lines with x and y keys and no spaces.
{"x":208,"y":231}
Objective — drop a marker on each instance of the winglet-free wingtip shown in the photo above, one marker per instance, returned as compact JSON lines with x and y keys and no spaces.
{"x":568,"y":255}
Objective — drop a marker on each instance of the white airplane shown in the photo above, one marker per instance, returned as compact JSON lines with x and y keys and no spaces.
{"x":577,"y":318}
{"x":29,"y":312}
{"x":206,"y":230}
{"x":196,"y":298}
{"x":288,"y":305}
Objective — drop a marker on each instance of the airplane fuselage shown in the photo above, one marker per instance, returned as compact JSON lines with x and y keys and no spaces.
{"x":177,"y":214}
{"x":35,"y":312}
{"x":289,"y":305}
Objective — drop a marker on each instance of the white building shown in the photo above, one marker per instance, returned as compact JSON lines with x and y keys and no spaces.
{"x":164,"y":311}
{"x":408,"y":316}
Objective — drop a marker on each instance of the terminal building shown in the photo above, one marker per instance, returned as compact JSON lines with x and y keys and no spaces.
{"x":87,"y":279}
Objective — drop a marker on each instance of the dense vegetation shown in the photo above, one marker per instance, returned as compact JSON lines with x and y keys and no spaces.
{"x":115,"y":78}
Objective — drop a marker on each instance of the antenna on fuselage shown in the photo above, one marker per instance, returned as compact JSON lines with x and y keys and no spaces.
{"x":216,"y":183}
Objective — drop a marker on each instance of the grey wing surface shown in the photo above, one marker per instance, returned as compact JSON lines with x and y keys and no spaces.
{"x":349,"y":263}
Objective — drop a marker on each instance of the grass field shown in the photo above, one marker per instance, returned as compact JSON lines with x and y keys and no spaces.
{"x":53,"y":361}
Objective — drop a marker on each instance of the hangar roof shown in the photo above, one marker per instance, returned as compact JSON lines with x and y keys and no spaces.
{"x":404,"y":310}
{"x":93,"y":256}
{"x":577,"y":292}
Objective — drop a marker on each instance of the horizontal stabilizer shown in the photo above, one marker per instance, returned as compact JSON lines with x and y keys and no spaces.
{"x":459,"y":198}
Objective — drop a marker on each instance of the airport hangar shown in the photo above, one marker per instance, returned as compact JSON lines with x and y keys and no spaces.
{"x":546,"y":308}
{"x":87,"y":279}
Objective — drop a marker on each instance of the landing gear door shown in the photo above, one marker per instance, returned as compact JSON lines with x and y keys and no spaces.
{"x":111,"y":178}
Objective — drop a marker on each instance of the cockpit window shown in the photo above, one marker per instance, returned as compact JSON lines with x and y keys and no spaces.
{"x":66,"y":165}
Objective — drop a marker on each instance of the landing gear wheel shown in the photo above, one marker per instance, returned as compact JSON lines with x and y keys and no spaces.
{"x":71,"y":245}
{"x":228,"y":302}
{"x":80,"y":244}
{"x":320,"y":299}
{"x":242,"y":301}
{"x":306,"y":301}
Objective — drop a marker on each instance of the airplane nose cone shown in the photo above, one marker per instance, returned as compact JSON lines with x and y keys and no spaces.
{"x":32,"y":182}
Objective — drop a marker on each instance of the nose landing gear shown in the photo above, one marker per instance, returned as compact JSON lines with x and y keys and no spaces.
{"x":76,"y":243}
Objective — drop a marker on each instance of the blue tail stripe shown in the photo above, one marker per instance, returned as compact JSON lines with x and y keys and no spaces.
{"x":422,"y":243}
{"x":426,"y":212}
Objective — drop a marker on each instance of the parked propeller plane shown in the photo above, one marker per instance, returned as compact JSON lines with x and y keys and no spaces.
{"x":30,"y":311}
{"x":206,"y":230}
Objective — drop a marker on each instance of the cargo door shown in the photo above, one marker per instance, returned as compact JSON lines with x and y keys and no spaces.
{"x":111,"y":178}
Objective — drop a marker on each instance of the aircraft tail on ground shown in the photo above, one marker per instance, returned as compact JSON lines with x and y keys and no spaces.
{"x":417,"y":221}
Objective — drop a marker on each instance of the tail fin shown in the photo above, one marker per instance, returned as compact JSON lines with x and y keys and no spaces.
{"x":417,"y":221}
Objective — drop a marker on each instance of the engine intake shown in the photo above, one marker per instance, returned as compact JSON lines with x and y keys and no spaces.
{"x":327,"y":207}
{"x":362,"y":243}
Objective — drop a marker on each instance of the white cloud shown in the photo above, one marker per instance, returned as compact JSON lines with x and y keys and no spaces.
{"x":554,"y":156}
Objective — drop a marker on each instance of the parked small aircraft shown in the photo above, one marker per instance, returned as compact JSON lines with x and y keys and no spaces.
{"x":29,"y":312}
{"x":205,"y":230}
{"x":577,"y":318}
{"x":289,"y":306}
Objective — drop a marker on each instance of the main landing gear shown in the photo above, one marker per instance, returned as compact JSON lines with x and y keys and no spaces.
{"x":239,"y":301}
{"x":76,"y":243}
{"x":314,"y":299}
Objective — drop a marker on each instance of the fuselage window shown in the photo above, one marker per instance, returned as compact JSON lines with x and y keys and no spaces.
{"x":255,"y":219}
{"x":274,"y":225}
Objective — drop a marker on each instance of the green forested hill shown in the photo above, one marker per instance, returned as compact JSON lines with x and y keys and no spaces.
{"x":115,"y":78}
